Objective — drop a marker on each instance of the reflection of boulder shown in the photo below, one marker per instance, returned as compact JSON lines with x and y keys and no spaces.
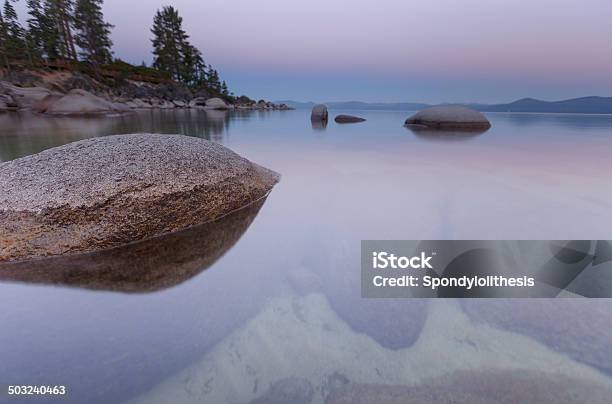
{"x":145,"y":266}
{"x":319,"y":125}
{"x":467,"y":387}
{"x":444,"y":135}
{"x":450,"y":117}
{"x":217,"y":115}
{"x":581,"y":328}
{"x":108,"y":191}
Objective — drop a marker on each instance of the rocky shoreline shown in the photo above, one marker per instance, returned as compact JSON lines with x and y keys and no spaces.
{"x":66,"y":93}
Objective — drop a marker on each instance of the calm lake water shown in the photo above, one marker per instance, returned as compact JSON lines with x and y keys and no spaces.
{"x":279,"y":299}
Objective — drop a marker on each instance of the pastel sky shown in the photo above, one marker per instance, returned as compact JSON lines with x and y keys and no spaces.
{"x":389,"y":50}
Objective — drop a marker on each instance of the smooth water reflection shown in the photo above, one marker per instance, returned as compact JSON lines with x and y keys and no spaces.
{"x":293,"y":277}
{"x":141,"y":267}
{"x":438,"y":135}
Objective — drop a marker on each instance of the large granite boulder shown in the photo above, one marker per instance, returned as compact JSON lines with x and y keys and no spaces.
{"x":198,"y":102}
{"x":8,"y":103}
{"x":319,"y":113}
{"x":216,"y":103}
{"x":449,"y":117}
{"x":25,"y":97}
{"x":348,"y":119}
{"x":77,"y":102}
{"x":138,"y":103}
{"x":103,"y":192}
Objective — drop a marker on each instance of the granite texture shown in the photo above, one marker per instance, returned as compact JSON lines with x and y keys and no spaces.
{"x":449,"y":117}
{"x":108,"y":191}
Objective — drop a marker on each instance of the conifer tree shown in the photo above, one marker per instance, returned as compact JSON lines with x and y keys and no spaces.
{"x":65,"y":20}
{"x":34,"y":32}
{"x":13,"y":34}
{"x":193,"y":68}
{"x":213,"y":80}
{"x":92,"y":32}
{"x":3,"y":38}
{"x":56,"y":22}
{"x":169,"y":42}
{"x":175,"y":55}
{"x":48,"y":21}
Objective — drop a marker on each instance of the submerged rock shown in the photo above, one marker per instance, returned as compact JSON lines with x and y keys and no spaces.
{"x":581,"y":328}
{"x":304,"y":338}
{"x":348,"y":119}
{"x":467,"y":387}
{"x":292,"y":390}
{"x":103,"y":192}
{"x":449,"y":117}
{"x":319,"y":113}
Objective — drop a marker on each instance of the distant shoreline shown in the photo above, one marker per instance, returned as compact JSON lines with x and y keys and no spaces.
{"x":584,"y":105}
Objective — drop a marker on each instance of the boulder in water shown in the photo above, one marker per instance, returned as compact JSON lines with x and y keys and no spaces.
{"x":449,"y":117}
{"x":348,"y":119}
{"x":104,"y":192}
{"x":319,"y":113}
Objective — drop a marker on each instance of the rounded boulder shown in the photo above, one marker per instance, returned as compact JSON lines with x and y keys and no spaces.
{"x":108,"y":191}
{"x":216,"y":103}
{"x":348,"y":119}
{"x":449,"y":117}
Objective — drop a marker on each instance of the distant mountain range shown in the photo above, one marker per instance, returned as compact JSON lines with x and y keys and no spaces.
{"x":583,"y":105}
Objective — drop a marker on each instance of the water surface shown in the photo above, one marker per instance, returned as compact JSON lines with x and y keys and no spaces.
{"x":217,"y":335}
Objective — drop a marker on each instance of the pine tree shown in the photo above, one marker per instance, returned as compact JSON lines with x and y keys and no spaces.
{"x":193,"y":68}
{"x":213,"y":80}
{"x":65,"y":21}
{"x":34,"y":33}
{"x":56,"y":21}
{"x":3,"y":38}
{"x":14,"y":36}
{"x":175,"y":55}
{"x":92,"y":32}
{"x":51,"y":34}
{"x":169,"y":42}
